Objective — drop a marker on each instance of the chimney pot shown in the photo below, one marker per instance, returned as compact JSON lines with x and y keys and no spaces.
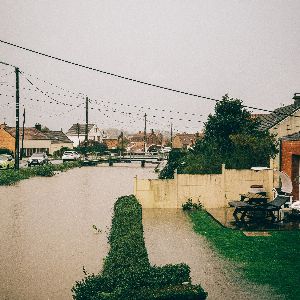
{"x":296,"y":99}
{"x":38,"y":126}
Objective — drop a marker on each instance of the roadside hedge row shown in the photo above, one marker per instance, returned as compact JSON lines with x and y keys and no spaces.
{"x":127,"y":273}
{"x":8,"y":177}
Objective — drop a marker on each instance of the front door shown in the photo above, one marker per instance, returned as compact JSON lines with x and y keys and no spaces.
{"x":295,"y":176}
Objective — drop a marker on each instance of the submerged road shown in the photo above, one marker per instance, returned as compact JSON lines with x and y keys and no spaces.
{"x":47,"y":235}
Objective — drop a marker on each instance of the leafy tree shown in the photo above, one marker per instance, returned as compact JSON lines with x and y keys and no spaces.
{"x":232,"y":137}
{"x":174,"y":162}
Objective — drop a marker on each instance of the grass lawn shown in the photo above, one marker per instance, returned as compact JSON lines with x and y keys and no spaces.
{"x":273,"y":260}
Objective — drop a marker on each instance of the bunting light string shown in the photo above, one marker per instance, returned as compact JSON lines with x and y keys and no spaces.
{"x":108,"y":101}
{"x":6,"y":74}
{"x":54,"y":85}
{"x":138,"y":114}
{"x":166,"y":110}
{"x":46,"y":95}
{"x":65,"y":112}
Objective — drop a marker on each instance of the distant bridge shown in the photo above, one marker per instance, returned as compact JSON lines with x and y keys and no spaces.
{"x":143,"y":159}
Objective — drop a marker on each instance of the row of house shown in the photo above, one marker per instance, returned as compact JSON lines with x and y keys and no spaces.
{"x":35,"y":140}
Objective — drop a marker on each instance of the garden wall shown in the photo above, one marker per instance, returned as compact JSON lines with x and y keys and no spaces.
{"x":213,"y":190}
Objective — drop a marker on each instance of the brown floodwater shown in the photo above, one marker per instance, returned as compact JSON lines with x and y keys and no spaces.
{"x":46,"y":229}
{"x":47,"y":236}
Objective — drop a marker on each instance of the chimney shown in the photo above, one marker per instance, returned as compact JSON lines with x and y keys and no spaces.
{"x":3,"y":126}
{"x":296,"y":99}
{"x":38,"y":126}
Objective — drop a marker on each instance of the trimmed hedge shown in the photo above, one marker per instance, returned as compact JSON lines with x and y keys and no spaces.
{"x":127,"y":273}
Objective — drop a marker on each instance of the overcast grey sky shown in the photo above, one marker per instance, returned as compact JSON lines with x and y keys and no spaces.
{"x":249,"y":49}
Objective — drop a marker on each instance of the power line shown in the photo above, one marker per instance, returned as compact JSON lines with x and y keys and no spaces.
{"x":124,"y":77}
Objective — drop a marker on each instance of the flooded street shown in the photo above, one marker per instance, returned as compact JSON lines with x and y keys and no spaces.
{"x":47,"y":235}
{"x":170,"y":239}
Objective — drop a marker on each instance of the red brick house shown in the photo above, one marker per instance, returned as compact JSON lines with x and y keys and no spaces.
{"x":284,"y":122}
{"x":290,"y":160}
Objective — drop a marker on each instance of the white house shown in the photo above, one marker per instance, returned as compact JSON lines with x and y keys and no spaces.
{"x":77,"y":133}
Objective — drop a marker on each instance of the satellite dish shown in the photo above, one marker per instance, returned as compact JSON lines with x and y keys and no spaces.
{"x":286,"y":182}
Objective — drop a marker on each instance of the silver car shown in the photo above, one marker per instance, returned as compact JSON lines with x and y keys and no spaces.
{"x":37,"y":159}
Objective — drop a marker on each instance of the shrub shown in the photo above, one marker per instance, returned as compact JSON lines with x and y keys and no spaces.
{"x":44,"y":171}
{"x":127,"y":273}
{"x":190,"y":205}
{"x":9,"y":177}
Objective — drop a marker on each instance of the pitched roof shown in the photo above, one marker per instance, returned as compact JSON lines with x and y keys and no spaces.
{"x":74,"y":129}
{"x":57,"y":137}
{"x":186,"y":138}
{"x":292,"y":137}
{"x":270,"y":120}
{"x":30,"y":133}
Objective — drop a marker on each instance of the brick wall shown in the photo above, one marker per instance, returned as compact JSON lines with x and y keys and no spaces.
{"x":290,"y":156}
{"x":6,"y":140}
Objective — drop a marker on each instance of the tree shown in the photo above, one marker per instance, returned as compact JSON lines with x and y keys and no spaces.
{"x":174,"y":162}
{"x":232,"y":137}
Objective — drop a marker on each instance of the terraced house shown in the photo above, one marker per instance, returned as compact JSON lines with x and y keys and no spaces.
{"x":35,"y":140}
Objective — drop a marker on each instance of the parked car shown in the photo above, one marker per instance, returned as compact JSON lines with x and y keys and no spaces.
{"x":166,"y":150}
{"x":37,"y":159}
{"x":70,"y":156}
{"x":6,"y":161}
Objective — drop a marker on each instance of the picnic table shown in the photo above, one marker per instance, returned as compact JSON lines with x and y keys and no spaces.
{"x":249,"y":206}
{"x":253,"y":198}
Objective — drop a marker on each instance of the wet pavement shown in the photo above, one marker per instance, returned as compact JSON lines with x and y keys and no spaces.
{"x":170,"y":239}
{"x":47,"y":236}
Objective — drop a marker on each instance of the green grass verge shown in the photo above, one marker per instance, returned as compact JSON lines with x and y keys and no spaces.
{"x":272,"y":260}
{"x":9,"y":177}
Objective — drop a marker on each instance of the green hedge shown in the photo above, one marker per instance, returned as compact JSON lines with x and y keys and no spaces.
{"x":8,"y":177}
{"x":127,"y":273}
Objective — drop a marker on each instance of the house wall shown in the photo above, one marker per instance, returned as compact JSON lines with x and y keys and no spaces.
{"x":290,"y":153}
{"x":288,"y":126}
{"x":111,"y":143}
{"x":213,"y":191}
{"x":58,"y":146}
{"x":93,"y":135}
{"x":6,"y":140}
{"x":33,"y":146}
{"x":176,"y":143}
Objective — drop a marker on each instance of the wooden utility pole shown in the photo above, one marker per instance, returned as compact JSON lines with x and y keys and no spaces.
{"x":86,"y":123}
{"x":122,"y":142}
{"x":17,"y":141}
{"x":78,"y":131}
{"x":171,"y":135}
{"x":22,"y":145}
{"x":145,"y":133}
